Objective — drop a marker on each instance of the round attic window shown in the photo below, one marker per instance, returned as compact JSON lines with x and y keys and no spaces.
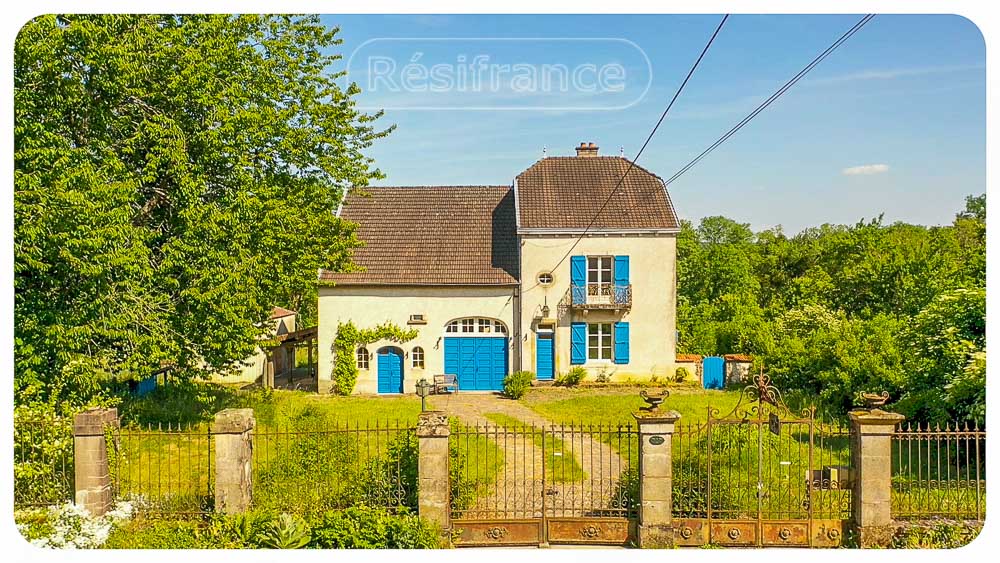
{"x":545,"y":278}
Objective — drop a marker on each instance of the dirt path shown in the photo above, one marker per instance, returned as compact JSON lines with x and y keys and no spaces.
{"x":517,"y":492}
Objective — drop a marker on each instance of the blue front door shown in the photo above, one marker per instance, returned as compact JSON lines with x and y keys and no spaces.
{"x":390,"y":370}
{"x":712,"y":372}
{"x":544,"y":356}
{"x":480,"y":363}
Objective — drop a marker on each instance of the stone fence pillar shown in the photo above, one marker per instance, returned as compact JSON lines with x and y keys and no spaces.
{"x":93,"y":489}
{"x":233,"y":434}
{"x":656,"y":476}
{"x":433,"y":472}
{"x":871,"y":458}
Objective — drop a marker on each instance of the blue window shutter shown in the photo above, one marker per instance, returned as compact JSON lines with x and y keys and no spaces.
{"x":578,"y":348}
{"x":621,"y":343}
{"x":578,"y":279}
{"x":621,"y":270}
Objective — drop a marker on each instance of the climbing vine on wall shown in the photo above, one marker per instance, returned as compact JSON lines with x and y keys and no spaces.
{"x":349,"y":337}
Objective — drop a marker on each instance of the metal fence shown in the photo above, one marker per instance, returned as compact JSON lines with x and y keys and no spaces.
{"x":516,"y":471}
{"x":320,"y":467}
{"x":164,"y":468}
{"x":939,"y":473}
{"x":740,"y":471}
{"x":43,"y":462}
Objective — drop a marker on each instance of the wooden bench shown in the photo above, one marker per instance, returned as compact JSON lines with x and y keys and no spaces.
{"x":443,"y":382}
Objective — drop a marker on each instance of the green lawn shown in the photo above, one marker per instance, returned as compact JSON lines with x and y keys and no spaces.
{"x":587,"y":405}
{"x":560,"y":464}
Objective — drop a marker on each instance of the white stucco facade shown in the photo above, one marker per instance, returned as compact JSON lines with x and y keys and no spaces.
{"x":369,"y":306}
{"x":651,"y":317}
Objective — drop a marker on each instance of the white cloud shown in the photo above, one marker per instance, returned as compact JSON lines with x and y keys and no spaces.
{"x":865,"y":170}
{"x":890,"y":74}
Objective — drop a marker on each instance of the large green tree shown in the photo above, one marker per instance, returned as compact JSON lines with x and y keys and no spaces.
{"x":175,"y":177}
{"x":838,"y":309}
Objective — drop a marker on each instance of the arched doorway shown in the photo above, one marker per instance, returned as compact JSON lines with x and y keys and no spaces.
{"x":476,"y":350}
{"x":390,"y":370}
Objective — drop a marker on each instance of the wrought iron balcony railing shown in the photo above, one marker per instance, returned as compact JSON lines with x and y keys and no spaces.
{"x":601,"y":296}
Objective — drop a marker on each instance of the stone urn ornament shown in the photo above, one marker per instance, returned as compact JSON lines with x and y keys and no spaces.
{"x":874,"y":400}
{"x":653,"y":400}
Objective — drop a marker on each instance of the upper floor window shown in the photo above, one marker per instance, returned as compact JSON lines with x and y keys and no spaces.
{"x":363,"y":358}
{"x":545,"y":278}
{"x":599,"y":269}
{"x":418,"y":357}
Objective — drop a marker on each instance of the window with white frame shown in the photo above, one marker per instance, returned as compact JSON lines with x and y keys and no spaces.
{"x":599,"y":341}
{"x":476,"y":325}
{"x":363,"y":358}
{"x":418,"y":357}
{"x":599,"y":269}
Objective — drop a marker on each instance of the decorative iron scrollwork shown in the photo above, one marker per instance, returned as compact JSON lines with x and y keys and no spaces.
{"x":734,"y":533}
{"x":687,"y":532}
{"x":833,"y":534}
{"x":759,"y":401}
{"x":590,"y":532}
{"x":784,"y":534}
{"x":496,"y":533}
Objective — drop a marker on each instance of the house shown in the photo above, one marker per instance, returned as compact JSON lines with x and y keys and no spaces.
{"x":281,"y":322}
{"x":542,"y":275}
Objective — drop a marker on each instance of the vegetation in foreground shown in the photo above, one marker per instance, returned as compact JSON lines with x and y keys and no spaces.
{"x":358,"y":527}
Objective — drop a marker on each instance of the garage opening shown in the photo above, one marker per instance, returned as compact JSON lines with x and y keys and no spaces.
{"x":476,"y":350}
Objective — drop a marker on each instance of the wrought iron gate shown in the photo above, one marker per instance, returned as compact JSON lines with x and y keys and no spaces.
{"x":524,"y":485}
{"x":761,"y":475}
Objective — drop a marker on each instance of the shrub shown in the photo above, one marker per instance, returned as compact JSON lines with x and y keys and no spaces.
{"x":939,"y":536}
{"x":287,"y":532}
{"x":682,"y":374}
{"x":516,"y":384}
{"x":572,"y":378}
{"x":369,"y":528}
{"x":159,"y":534}
{"x":70,"y":526}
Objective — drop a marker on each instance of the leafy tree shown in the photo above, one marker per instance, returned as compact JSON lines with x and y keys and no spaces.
{"x":947,"y":346}
{"x":175,"y":177}
{"x":838,"y":309}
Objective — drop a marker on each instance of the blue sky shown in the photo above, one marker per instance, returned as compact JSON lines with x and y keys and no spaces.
{"x":902,"y":105}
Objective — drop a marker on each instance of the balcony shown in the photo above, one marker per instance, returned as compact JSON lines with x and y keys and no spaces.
{"x":601,"y":296}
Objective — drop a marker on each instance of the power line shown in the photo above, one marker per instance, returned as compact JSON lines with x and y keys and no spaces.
{"x":649,"y":138}
{"x":847,"y":35}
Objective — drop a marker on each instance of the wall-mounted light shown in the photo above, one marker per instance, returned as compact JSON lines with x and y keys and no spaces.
{"x":545,"y":308}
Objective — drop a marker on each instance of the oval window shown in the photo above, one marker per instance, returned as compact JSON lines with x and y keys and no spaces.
{"x":545,"y":278}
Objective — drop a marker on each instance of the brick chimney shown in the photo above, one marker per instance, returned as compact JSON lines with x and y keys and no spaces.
{"x":586,"y":149}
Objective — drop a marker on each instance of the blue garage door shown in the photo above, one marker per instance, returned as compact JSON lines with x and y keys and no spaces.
{"x":712,"y":372}
{"x":390,"y":370}
{"x":479,"y":363}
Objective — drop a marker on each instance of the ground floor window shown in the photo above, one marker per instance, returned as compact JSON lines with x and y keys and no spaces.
{"x":418,"y":357}
{"x":599,"y":341}
{"x":363,"y":358}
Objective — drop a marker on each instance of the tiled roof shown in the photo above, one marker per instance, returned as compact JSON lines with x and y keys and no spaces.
{"x":278,"y":312}
{"x":565,"y":192}
{"x":737,"y":357}
{"x":688,"y":357}
{"x":432,"y":235}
